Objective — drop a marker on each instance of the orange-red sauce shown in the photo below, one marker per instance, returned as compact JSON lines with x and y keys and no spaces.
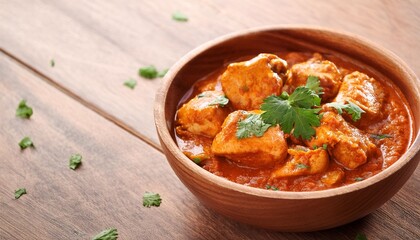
{"x":397,"y":123}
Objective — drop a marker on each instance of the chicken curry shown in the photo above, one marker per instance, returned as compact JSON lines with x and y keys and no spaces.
{"x":294,"y":121}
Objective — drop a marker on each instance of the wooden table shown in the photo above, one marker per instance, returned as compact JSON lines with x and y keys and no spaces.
{"x":81,"y":106}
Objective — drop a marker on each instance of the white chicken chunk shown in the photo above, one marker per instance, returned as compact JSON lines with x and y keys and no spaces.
{"x":349,"y":146}
{"x":248,"y":83}
{"x":264,"y":151}
{"x":202,"y":115}
{"x":365,"y":92}
{"x":302,"y":161}
{"x":327,"y":72}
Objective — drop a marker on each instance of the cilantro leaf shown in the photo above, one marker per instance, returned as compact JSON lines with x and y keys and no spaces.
{"x":131,"y":83}
{"x":26,"y":142}
{"x":361,"y":236}
{"x":197,"y":160}
{"x":179,"y":16}
{"x":301,"y":166}
{"x":107,"y":234}
{"x":219,"y":100}
{"x":380,"y":136}
{"x":252,"y":125}
{"x":23,"y":110}
{"x":75,"y":161}
{"x":313,"y":83}
{"x":149,"y":72}
{"x":19,"y":192}
{"x":163,"y":72}
{"x":351,"y":108}
{"x":151,"y":199}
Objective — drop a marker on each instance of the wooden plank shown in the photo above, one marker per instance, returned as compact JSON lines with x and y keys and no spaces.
{"x":97,"y":45}
{"x":106,"y":191}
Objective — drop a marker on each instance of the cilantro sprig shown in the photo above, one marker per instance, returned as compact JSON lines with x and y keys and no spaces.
{"x":252,"y":125}
{"x":351,"y":108}
{"x":295,"y":112}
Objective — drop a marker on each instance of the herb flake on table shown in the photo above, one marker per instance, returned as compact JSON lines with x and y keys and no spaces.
{"x":25,"y":143}
{"x":149,"y":72}
{"x":252,"y":125}
{"x":351,"y":108}
{"x":19,"y":192}
{"x":163,"y":72}
{"x":74,"y":161}
{"x":131,"y":83}
{"x":295,"y":111}
{"x":23,"y":110}
{"x":179,"y":16}
{"x":151,"y":199}
{"x":52,"y":63}
{"x":107,"y":234}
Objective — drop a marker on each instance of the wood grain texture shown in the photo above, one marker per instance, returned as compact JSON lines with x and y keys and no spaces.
{"x":97,"y":45}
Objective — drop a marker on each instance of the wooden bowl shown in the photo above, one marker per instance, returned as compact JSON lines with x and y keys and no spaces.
{"x":278,"y":210}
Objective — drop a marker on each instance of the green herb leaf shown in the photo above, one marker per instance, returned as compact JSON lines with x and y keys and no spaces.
{"x":301,"y":166}
{"x":380,"y":136}
{"x":358,"y":179}
{"x":26,"y":142}
{"x":252,"y":125}
{"x":131,"y":83}
{"x":75,"y":161}
{"x":179,"y":16}
{"x":219,"y":100}
{"x":151,"y":199}
{"x":274,"y":188}
{"x":361,"y":236}
{"x":148,"y":72}
{"x":108,"y":234}
{"x":23,"y":110}
{"x":325,"y":146}
{"x":163,"y":73}
{"x":351,"y":108}
{"x":19,"y":192}
{"x":313,"y":83}
{"x":52,"y":63}
{"x":197,"y":160}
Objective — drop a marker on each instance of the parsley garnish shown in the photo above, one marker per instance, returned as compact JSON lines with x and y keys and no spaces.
{"x":52,"y":63}
{"x":358,"y":179}
{"x":75,"y":161}
{"x":23,"y":110}
{"x":26,"y":142}
{"x":131,"y":83}
{"x":361,"y":236}
{"x":19,"y":192}
{"x":380,"y":136}
{"x":295,"y":112}
{"x":301,"y":166}
{"x":151,"y":199}
{"x":179,"y":16}
{"x":252,"y":125}
{"x":107,"y":234}
{"x":351,"y":108}
{"x":149,"y":72}
{"x":220,"y":101}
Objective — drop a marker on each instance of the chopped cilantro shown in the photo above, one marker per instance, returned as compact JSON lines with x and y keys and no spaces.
{"x":131,"y":83}
{"x":107,"y":234}
{"x":52,"y":63}
{"x":179,"y":16}
{"x":252,"y":125}
{"x":274,"y":188}
{"x":380,"y":136}
{"x":351,"y":108}
{"x":149,"y":72}
{"x":75,"y":161}
{"x":220,"y":101}
{"x":295,"y":111}
{"x":313,"y":83}
{"x":197,"y":160}
{"x":23,"y":110}
{"x":358,"y":179}
{"x":151,"y":199}
{"x":19,"y":192}
{"x":162,"y":73}
{"x":325,"y":146}
{"x":361,"y":236}
{"x":26,"y":142}
{"x":301,"y":166}
{"x":314,"y":147}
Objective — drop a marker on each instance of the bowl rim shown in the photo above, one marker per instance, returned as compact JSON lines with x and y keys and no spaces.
{"x":213,"y":179}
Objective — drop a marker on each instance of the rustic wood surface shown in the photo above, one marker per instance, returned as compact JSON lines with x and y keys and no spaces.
{"x":80,"y":105}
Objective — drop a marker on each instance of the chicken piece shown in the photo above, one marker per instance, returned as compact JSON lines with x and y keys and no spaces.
{"x":264,"y":151}
{"x":365,"y":92}
{"x":248,"y":83}
{"x":333,"y":177}
{"x":328,"y":74}
{"x":303,"y":161}
{"x":348,"y":145}
{"x":201,"y":115}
